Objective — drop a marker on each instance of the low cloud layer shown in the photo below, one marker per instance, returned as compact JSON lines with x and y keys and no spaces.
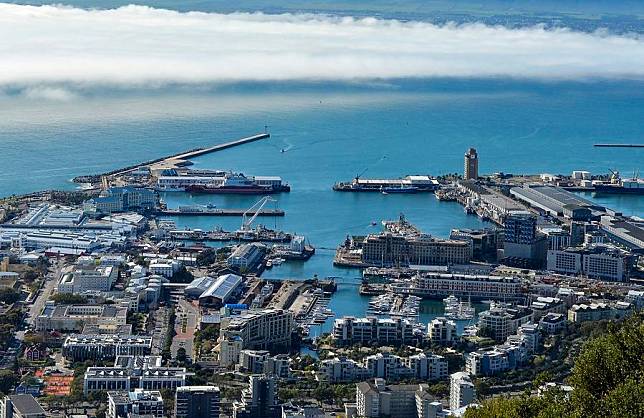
{"x":136,"y":45}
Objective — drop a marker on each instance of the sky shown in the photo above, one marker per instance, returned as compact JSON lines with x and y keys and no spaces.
{"x":52,"y":51}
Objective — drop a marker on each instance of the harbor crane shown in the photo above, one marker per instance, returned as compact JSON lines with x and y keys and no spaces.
{"x":257,"y":207}
{"x":357,"y":179}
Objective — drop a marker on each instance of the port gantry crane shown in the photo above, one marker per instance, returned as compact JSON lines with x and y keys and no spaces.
{"x":246,"y":223}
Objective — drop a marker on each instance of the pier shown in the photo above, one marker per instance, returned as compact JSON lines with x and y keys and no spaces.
{"x":176,"y":158}
{"x":218,"y":212}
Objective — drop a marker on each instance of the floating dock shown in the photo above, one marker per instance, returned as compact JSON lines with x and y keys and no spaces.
{"x":218,"y":212}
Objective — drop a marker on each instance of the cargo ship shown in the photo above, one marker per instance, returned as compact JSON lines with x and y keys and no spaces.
{"x":618,"y":185}
{"x":222,"y":183}
{"x":407,"y":184}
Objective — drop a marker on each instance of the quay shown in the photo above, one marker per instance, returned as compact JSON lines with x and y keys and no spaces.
{"x":176,"y":159}
{"x":619,"y":145}
{"x":218,"y":212}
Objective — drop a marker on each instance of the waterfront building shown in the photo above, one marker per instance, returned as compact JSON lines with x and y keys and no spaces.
{"x":471,"y":165}
{"x":88,"y":278}
{"x":387,"y":249}
{"x":82,"y":347}
{"x":595,"y":261}
{"x":266,"y":329}
{"x":197,"y":402}
{"x":375,"y":398}
{"x":502,"y":321}
{"x":461,"y":390}
{"x":74,"y":317}
{"x":132,"y":372}
{"x":350,"y":330}
{"x":21,"y":406}
{"x":441,"y":285}
{"x":556,"y":201}
{"x":198,"y":286}
{"x":219,"y":292}
{"x":259,"y":400}
{"x":246,"y":257}
{"x":122,"y":199}
{"x":138,"y":403}
{"x":441,"y":331}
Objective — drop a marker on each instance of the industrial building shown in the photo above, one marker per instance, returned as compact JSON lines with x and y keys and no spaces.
{"x":220,"y":291}
{"x":246,"y":257}
{"x":556,"y":201}
{"x":628,"y":232}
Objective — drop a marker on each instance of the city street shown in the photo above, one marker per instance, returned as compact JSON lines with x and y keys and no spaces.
{"x":185,"y":326}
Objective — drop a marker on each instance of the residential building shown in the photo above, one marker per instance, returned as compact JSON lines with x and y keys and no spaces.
{"x":442,"y":331}
{"x":461,"y":390}
{"x":441,"y":285}
{"x":598,"y":311}
{"x":427,"y":405}
{"x":544,"y":305}
{"x":291,"y":411}
{"x":350,"y":330}
{"x":498,"y":359}
{"x":197,"y":402}
{"x":229,"y":350}
{"x":265,"y":329}
{"x":553,"y":323}
{"x":502,"y":321}
{"x":375,"y":398}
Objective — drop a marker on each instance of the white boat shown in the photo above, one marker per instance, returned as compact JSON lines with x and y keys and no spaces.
{"x":456,"y":309}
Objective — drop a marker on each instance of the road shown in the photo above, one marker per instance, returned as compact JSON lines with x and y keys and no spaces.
{"x":43,"y":296}
{"x":185,"y":326}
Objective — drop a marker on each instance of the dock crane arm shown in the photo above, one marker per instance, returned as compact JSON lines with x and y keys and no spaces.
{"x":257,"y":207}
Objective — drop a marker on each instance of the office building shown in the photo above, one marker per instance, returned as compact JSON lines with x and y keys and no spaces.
{"x":75,"y":317}
{"x":471,"y":165}
{"x":595,"y":261}
{"x":130,"y":372}
{"x":197,"y":402}
{"x":83,"y":347}
{"x":20,"y":406}
{"x":88,"y":279}
{"x":138,"y":403}
{"x":483,"y":242}
{"x":461,"y":390}
{"x":523,"y":246}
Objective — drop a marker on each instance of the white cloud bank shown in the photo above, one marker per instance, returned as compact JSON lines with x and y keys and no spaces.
{"x":138,"y":45}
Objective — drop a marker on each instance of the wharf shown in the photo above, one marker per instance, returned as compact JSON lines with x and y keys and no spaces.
{"x":218,"y":212}
{"x":175,"y":159}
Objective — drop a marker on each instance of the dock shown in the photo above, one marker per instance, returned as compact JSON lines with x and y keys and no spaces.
{"x":177,"y":159}
{"x":218,"y":212}
{"x":619,"y":145}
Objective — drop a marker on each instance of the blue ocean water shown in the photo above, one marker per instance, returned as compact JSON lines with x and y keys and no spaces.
{"x":332,"y":131}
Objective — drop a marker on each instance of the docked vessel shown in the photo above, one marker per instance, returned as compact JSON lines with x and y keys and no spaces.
{"x":218,"y":182}
{"x":618,"y":185}
{"x":456,"y":309}
{"x":407,"y":184}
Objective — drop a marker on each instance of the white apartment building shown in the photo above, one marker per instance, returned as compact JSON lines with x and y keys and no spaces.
{"x":349,"y":330}
{"x":86,"y":279}
{"x":461,"y":390}
{"x":265,"y":329}
{"x":441,"y":331}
